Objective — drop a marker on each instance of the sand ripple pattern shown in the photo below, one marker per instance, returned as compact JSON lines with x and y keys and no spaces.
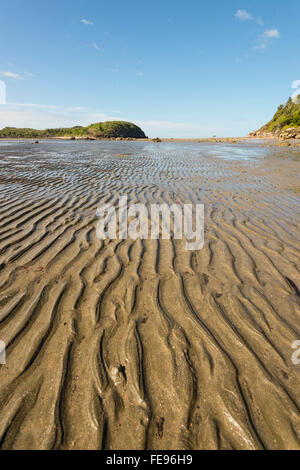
{"x":142,"y":344}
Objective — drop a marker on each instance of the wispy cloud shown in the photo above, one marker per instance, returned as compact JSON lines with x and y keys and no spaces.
{"x":8,"y":74}
{"x":271,"y":33}
{"x":29,"y":74}
{"x":87,"y":22}
{"x":140,"y":74}
{"x":114,"y":69}
{"x":243,"y":15}
{"x":16,"y":76}
{"x":265,"y":39}
{"x":42,"y":116}
{"x":296,"y":84}
{"x":34,"y":105}
{"x":50,"y":107}
{"x":94,"y":45}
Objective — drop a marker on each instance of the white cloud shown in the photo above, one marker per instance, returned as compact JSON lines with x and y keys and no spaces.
{"x":264,"y":40}
{"x":140,"y":74}
{"x":243,"y":15}
{"x":41,"y":116}
{"x":8,"y":74}
{"x":34,"y":119}
{"x":87,"y":22}
{"x":16,"y":76}
{"x":29,"y":74}
{"x":94,"y":45}
{"x":272,"y":33}
{"x":296,"y":84}
{"x":114,"y":69}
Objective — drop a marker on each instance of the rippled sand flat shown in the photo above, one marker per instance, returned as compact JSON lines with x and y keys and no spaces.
{"x":143,"y":344}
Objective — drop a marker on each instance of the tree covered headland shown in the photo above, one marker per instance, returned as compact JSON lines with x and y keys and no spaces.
{"x":287,"y":116}
{"x":100,"y":130}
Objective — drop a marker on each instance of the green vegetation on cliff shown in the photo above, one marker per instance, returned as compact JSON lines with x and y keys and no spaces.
{"x":287,"y":116}
{"x":100,"y":130}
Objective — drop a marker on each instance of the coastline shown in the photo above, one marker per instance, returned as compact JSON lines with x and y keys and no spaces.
{"x":264,"y":141}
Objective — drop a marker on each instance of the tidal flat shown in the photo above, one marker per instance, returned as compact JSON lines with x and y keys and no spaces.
{"x":141,"y":344}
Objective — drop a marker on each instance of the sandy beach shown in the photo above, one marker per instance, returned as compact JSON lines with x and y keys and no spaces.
{"x":141,"y":344}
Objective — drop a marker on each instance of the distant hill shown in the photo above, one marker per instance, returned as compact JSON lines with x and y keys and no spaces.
{"x":285,"y":123}
{"x":100,"y":130}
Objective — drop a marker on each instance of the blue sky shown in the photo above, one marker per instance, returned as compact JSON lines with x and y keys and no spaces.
{"x":178,"y":69}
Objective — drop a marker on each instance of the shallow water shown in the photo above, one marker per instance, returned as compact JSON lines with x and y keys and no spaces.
{"x":59,"y":163}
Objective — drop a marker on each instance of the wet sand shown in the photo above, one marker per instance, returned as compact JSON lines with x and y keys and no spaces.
{"x":142,"y":344}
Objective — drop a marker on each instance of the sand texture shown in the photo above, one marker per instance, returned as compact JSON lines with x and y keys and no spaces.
{"x":142,"y":344}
